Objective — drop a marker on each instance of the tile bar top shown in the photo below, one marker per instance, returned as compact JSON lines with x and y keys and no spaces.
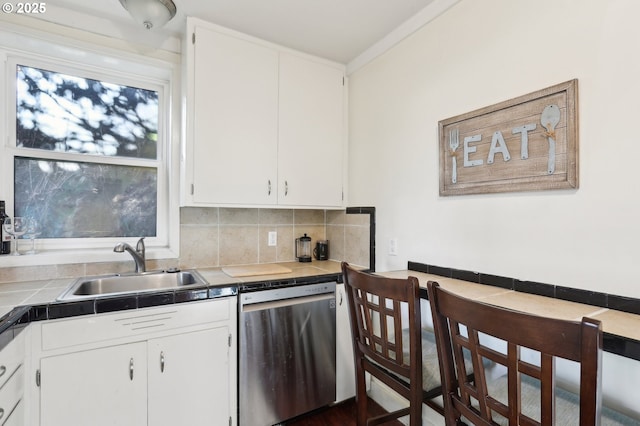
{"x":621,"y":329}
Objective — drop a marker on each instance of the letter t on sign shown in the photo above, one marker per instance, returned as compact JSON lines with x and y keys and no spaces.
{"x":524,"y":139}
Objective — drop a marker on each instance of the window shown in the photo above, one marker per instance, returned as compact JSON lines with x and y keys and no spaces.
{"x":61,"y":113}
{"x":86,"y":150}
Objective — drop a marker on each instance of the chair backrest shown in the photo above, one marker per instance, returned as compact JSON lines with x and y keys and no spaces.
{"x":376,"y":313}
{"x":462,"y":325}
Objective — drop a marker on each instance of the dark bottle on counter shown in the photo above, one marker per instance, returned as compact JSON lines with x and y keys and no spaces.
{"x":5,"y":241}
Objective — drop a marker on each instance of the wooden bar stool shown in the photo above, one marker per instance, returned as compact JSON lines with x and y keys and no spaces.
{"x":376,"y":307}
{"x":527,"y":394}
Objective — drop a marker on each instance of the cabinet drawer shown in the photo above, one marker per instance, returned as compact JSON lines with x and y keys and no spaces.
{"x":7,"y":369}
{"x":11,"y":393}
{"x":16,"y":417}
{"x":95,"y":328}
{"x":11,"y":357}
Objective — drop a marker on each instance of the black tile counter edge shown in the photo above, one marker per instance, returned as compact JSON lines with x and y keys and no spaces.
{"x":56,"y":310}
{"x":12,"y":324}
{"x":619,"y":345}
{"x":603,"y":300}
{"x":22,"y":315}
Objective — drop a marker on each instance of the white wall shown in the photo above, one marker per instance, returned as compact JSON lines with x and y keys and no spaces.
{"x":474,"y":55}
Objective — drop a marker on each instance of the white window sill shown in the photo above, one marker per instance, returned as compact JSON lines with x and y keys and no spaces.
{"x":59,"y":257}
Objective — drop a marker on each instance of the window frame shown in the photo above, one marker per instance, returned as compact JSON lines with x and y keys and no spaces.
{"x":105,"y":64}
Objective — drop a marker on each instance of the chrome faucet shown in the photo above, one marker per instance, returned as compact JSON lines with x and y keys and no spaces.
{"x":137,"y":253}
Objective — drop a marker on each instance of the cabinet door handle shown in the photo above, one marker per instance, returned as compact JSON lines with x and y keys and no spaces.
{"x":131,"y":369}
{"x":269,"y":188}
{"x":286,"y":188}
{"x":161,"y":362}
{"x":340,"y":293}
{"x":1,"y":413}
{"x":3,"y":370}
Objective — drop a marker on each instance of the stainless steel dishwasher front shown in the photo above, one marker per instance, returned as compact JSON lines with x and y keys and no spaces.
{"x":287,"y":352}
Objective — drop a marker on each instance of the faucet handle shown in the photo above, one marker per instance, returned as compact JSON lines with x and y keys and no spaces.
{"x":140,"y":246}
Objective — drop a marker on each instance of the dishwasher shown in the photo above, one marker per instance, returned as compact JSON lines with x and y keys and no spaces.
{"x":287,"y":352}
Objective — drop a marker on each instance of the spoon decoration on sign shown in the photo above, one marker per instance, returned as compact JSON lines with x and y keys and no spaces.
{"x":550,"y":118}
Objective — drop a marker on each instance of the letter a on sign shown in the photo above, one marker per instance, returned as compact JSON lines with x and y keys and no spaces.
{"x":498,"y":145}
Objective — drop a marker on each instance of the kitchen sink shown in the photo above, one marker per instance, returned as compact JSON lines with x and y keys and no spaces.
{"x":109,"y":285}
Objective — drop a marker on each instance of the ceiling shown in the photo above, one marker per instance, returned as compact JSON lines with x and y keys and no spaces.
{"x":339,"y":30}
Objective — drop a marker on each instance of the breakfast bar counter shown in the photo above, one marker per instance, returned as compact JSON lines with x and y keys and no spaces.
{"x":621,"y":329}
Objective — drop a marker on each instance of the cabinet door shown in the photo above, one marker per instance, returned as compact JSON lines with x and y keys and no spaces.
{"x":96,"y":387}
{"x":345,"y":369}
{"x":235,"y":117}
{"x":190,"y":379}
{"x":310,"y":150}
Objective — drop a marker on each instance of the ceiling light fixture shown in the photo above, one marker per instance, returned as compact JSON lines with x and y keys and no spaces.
{"x":150,"y":13}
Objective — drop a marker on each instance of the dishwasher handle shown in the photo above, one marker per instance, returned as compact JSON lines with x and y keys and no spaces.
{"x":286,"y":302}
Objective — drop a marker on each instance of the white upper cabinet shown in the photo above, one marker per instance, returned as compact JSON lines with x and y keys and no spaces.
{"x":234,"y":114}
{"x":264,"y":124}
{"x":310,"y":149}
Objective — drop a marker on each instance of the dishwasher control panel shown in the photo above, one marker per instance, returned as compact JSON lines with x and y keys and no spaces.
{"x":287,"y":293}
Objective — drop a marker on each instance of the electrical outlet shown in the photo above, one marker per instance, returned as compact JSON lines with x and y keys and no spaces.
{"x":393,"y":247}
{"x":273,"y":238}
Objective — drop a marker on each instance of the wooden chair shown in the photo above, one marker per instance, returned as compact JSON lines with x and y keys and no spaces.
{"x":462,"y":325}
{"x":375,"y":308}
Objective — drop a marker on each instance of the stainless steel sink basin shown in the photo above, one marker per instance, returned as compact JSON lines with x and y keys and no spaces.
{"x":109,"y":285}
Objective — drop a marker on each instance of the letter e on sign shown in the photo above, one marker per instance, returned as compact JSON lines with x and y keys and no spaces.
{"x":471,"y":149}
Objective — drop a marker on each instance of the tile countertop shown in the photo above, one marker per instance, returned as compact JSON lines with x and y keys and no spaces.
{"x":614,"y":322}
{"x":44,"y":292}
{"x":36,"y":300}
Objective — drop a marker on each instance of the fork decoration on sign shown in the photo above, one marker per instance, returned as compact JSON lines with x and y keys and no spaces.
{"x":453,"y":144}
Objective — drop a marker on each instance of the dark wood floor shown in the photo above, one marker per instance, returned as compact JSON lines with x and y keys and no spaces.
{"x":343,"y":414}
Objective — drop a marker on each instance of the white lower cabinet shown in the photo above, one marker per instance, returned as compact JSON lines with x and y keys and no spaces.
{"x":106,"y":386}
{"x":345,"y":368}
{"x":12,"y":380}
{"x":169,"y":365}
{"x":189,"y":379}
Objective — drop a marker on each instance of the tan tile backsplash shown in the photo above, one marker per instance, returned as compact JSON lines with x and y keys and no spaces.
{"x":214,"y":237}
{"x":199,"y":245}
{"x":336,"y":237}
{"x":238,"y":244}
{"x":243,"y":235}
{"x":355,"y":252}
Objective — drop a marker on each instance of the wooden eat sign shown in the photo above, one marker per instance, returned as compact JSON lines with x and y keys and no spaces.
{"x":528,"y":143}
